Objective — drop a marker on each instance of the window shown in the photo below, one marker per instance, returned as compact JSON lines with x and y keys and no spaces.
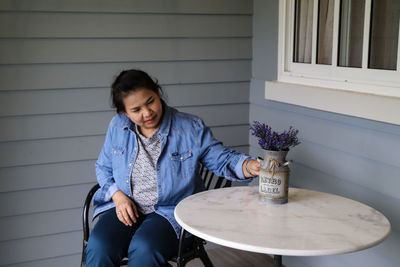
{"x":340,"y":56}
{"x":350,"y":45}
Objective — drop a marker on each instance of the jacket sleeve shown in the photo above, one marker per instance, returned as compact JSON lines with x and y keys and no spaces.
{"x":104,"y":172}
{"x":218,"y":158}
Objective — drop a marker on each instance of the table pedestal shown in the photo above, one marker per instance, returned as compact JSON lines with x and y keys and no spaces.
{"x":277,"y":261}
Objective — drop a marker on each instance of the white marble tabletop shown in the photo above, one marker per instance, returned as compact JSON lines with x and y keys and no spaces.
{"x":312,"y":223}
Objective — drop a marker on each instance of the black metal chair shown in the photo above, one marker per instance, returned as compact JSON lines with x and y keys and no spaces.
{"x":196,"y":250}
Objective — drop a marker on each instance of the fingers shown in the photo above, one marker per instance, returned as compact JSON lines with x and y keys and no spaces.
{"x":132,"y":213}
{"x":254,"y":166}
{"x":121,"y":217}
{"x":126,"y":215}
{"x":127,"y":218}
{"x":125,"y":208}
{"x":135,"y":211}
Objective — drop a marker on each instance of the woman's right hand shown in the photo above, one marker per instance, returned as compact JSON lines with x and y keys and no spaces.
{"x":125,"y":208}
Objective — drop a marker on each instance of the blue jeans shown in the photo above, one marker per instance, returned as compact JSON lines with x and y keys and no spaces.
{"x":148,"y":243}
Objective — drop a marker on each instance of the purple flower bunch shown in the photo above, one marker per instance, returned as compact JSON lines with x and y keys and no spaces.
{"x":271,"y":140}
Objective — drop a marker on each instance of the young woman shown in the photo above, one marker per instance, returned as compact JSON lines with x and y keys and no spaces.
{"x":149,"y":162}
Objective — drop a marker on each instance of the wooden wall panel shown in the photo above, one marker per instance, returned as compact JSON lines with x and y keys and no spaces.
{"x":23,"y":153}
{"x":16,"y":103}
{"x":48,"y":223}
{"x":325,"y":132}
{"x":342,"y":155}
{"x":13,"y":154}
{"x":95,"y":123}
{"x":59,"y":261}
{"x":43,"y":200}
{"x":47,"y":175}
{"x":19,"y":51}
{"x":66,"y":76}
{"x":25,"y":250}
{"x":57,"y":61}
{"x":109,"y":25}
{"x":133,"y":6}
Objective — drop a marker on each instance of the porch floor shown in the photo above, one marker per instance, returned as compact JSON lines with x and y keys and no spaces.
{"x":228,"y":257}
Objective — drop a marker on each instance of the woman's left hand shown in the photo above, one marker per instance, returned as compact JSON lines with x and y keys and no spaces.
{"x":251,"y":168}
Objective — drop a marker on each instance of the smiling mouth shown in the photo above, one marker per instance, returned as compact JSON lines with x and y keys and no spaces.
{"x":150,"y":120}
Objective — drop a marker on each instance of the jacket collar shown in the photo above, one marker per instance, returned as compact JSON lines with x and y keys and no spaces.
{"x":166,"y":120}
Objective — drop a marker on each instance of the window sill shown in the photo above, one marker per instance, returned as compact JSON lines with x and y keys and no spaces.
{"x":363,"y":105}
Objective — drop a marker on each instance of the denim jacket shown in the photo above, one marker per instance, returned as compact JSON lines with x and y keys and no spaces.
{"x":185,"y":143}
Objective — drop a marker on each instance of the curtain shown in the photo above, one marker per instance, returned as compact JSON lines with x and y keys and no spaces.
{"x":303,"y":31}
{"x":351,"y":33}
{"x":325,"y":32}
{"x":383,"y":41}
{"x":384,"y":34}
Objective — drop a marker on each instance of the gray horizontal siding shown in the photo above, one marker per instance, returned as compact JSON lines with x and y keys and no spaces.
{"x":50,"y":150}
{"x":66,"y":220}
{"x":362,"y":158}
{"x":75,"y":124}
{"x":40,"y":248}
{"x":37,"y":200}
{"x":17,"y":51}
{"x":342,"y":155}
{"x":46,"y":175}
{"x":65,"y":149}
{"x":57,"y":61}
{"x":101,"y":25}
{"x":60,"y":261}
{"x":309,"y":177}
{"x":17,"y":103}
{"x":343,"y":158}
{"x":385,"y":254}
{"x":66,"y":197}
{"x":65,"y":76}
{"x":133,"y":6}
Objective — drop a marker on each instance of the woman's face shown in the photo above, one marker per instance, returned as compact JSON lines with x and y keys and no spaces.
{"x":144,"y":108}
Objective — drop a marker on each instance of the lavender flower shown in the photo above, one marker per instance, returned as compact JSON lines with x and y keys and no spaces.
{"x":271,"y":140}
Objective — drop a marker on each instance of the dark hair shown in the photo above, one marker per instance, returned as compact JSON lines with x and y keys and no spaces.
{"x":129,"y":81}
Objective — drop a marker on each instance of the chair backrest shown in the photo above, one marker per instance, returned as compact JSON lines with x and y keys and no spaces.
{"x":211,"y":181}
{"x":85,"y":214}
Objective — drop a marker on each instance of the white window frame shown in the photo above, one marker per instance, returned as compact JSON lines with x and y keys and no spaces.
{"x":328,"y":87}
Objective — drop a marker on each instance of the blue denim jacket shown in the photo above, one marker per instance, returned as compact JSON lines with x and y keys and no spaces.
{"x":185,"y":143}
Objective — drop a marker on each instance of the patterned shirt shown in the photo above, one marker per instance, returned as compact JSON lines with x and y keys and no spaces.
{"x":144,"y":176}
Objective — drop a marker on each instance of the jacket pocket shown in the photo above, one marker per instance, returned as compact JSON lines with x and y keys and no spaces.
{"x":118,"y":158}
{"x":182,"y":163}
{"x":118,"y":151}
{"x":181,"y":156}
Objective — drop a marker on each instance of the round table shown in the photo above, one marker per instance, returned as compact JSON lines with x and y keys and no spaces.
{"x":312,"y":223}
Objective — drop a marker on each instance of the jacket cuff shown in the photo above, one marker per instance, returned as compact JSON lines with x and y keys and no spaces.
{"x":110,"y":192}
{"x":239,"y":166}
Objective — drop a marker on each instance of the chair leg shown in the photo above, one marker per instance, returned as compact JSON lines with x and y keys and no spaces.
{"x":204,"y":257}
{"x":179,"y":259}
{"x":83,"y":260}
{"x":199,"y":250}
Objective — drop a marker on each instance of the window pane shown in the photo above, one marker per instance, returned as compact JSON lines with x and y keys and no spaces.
{"x":384,"y":34}
{"x":303,"y":31}
{"x":351,"y":33}
{"x":325,"y":31}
